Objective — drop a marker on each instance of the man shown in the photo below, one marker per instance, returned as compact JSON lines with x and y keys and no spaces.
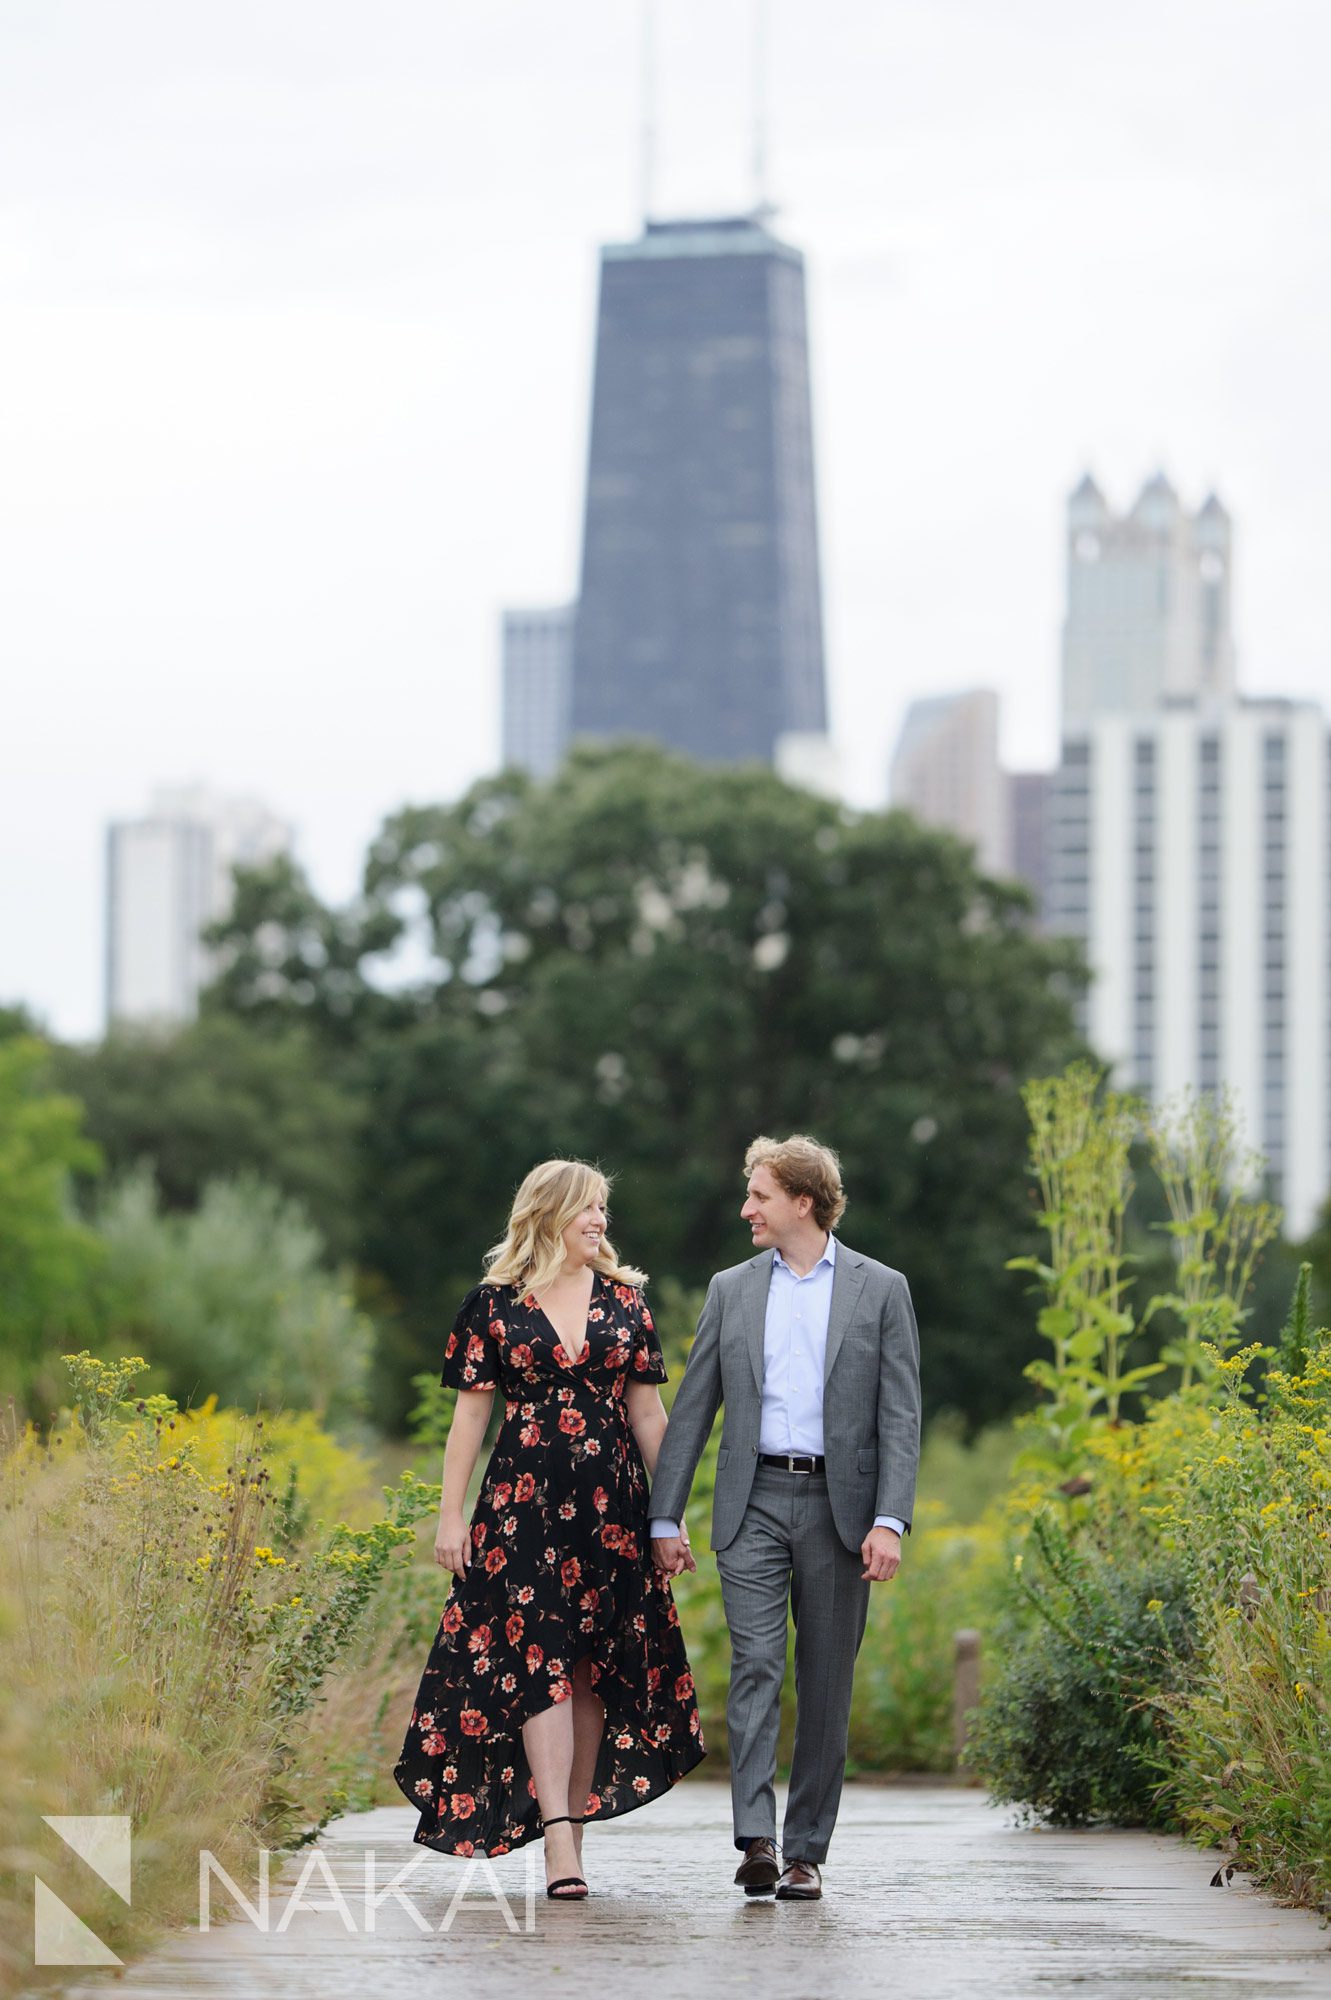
{"x":813,"y":1351}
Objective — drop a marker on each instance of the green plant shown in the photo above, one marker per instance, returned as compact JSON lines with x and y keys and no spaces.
{"x":174,"y":1639}
{"x":235,"y":1294}
{"x":1072,"y":1727}
{"x":1217,"y":1231}
{"x":1080,"y":1141}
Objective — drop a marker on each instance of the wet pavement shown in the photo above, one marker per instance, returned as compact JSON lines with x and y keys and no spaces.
{"x":930,"y":1893}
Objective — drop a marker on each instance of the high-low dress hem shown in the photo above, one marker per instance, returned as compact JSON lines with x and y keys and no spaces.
{"x":560,"y":1558}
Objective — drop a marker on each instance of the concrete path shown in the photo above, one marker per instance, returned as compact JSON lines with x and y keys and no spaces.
{"x":930,"y":1895}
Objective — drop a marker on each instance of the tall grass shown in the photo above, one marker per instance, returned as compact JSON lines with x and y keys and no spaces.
{"x":173,"y":1603}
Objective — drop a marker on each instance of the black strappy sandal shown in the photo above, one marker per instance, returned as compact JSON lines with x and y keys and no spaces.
{"x":565,"y":1881}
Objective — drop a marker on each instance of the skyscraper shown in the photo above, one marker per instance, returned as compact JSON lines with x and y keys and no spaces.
{"x":1148,"y":604}
{"x":1028,"y":820}
{"x":946,"y":771}
{"x":537,"y":649}
{"x":1191,"y":849}
{"x":1189,"y":839}
{"x":168,"y":875}
{"x":699,"y":618}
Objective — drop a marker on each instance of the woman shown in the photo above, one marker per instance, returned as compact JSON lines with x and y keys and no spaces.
{"x":557,"y":1689}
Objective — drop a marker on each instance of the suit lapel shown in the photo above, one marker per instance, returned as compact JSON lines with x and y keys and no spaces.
{"x":847,"y":1283}
{"x":757,"y":1279}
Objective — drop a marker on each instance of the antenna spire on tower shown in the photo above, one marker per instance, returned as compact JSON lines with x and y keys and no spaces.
{"x":762,"y":206}
{"x":648,"y":108}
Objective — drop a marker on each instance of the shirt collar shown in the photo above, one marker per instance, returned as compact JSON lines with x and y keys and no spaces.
{"x":828,"y":1257}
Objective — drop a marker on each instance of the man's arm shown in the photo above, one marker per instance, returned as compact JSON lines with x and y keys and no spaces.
{"x":692,"y":1414}
{"x":898,"y":1404}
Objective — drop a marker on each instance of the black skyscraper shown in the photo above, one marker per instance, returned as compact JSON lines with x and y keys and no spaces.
{"x":699,"y":620}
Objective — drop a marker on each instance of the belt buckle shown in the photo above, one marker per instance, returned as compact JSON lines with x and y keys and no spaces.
{"x":805,"y":1470}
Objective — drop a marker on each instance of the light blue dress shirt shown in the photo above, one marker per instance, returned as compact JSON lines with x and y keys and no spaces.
{"x":794,"y":1354}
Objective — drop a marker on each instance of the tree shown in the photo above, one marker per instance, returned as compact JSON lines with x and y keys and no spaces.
{"x":216,"y":1099}
{"x":287,"y":957}
{"x":234,"y":1298}
{"x":47,"y":1258}
{"x":647,"y":962}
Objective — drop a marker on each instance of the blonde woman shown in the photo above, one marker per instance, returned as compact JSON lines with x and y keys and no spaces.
{"x":557,"y":1690}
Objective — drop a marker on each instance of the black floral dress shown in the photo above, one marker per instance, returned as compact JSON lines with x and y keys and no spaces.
{"x":560,"y":1571}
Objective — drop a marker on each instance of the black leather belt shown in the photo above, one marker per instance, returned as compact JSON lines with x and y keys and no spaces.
{"x":792,"y":1462}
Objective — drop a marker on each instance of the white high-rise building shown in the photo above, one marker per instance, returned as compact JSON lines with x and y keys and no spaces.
{"x":168,"y":875}
{"x":537,"y":697}
{"x":1189,"y":839}
{"x":945,"y":770}
{"x":1148,"y":604}
{"x":811,"y":761}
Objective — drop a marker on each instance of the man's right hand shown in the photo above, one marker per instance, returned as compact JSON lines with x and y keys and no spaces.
{"x":671,"y":1554}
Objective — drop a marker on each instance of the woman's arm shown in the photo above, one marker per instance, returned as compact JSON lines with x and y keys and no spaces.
{"x":647,"y":1415}
{"x":452,"y":1543}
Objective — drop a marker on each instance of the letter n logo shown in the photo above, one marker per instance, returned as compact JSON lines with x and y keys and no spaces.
{"x":102,"y":1841}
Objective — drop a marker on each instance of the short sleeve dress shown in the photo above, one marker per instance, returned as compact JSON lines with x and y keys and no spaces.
{"x":561,"y":1571}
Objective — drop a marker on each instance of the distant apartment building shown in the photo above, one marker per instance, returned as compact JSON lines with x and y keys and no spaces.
{"x":537,"y":661}
{"x":946,"y":771}
{"x":1192,"y":852}
{"x":168,"y":875}
{"x":1189,"y":845}
{"x":811,"y":762}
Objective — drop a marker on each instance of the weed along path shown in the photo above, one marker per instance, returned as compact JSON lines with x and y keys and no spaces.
{"x":930,"y":1894}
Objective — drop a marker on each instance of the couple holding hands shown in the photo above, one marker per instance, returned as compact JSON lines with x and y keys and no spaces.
{"x":557,"y":1691}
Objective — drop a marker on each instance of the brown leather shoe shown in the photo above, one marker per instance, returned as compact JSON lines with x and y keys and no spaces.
{"x":800,"y":1881}
{"x":757,"y":1872}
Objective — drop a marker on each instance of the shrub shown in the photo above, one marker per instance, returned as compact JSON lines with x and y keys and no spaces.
{"x":1073,"y":1727}
{"x":1243,"y":1501}
{"x":235,"y":1298}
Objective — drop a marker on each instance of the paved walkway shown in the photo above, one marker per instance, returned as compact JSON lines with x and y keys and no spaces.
{"x":930,"y":1895}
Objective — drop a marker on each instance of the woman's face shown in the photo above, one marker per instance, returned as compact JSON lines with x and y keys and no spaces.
{"x":582,"y":1236}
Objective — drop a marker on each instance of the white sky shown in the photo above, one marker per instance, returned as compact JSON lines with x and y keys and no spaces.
{"x":296,"y":311}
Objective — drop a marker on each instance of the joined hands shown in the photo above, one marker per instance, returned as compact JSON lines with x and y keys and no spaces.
{"x":672,"y":1554}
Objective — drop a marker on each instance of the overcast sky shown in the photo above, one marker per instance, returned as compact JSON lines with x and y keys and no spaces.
{"x":296,"y":311}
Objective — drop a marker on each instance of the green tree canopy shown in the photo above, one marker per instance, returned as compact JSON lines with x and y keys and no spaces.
{"x":47,"y":1258}
{"x":217,"y":1099}
{"x":647,"y":962}
{"x":233,"y":1298}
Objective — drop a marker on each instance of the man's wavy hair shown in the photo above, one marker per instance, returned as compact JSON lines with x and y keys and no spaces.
{"x":799,"y":1165}
{"x":531,"y":1254}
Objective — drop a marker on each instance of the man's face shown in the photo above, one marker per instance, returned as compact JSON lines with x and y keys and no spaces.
{"x":770,"y":1212}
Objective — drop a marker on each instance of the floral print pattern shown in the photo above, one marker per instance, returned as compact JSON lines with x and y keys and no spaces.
{"x":561,"y":1571}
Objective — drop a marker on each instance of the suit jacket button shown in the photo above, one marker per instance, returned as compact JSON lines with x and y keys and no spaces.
{"x":754,"y":1450}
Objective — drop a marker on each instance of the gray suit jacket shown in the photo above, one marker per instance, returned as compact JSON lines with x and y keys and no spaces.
{"x":871,"y":1398}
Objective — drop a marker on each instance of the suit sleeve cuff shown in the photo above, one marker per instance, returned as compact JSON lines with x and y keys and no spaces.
{"x":664,"y":1531}
{"x":888,"y":1521}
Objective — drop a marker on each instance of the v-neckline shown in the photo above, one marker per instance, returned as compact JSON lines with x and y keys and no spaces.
{"x":572,"y":1359}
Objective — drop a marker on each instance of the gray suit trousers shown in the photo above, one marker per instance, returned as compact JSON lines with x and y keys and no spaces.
{"x":788,"y":1552}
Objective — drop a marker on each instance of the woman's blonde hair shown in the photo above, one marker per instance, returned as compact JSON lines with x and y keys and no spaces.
{"x":532,"y":1252}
